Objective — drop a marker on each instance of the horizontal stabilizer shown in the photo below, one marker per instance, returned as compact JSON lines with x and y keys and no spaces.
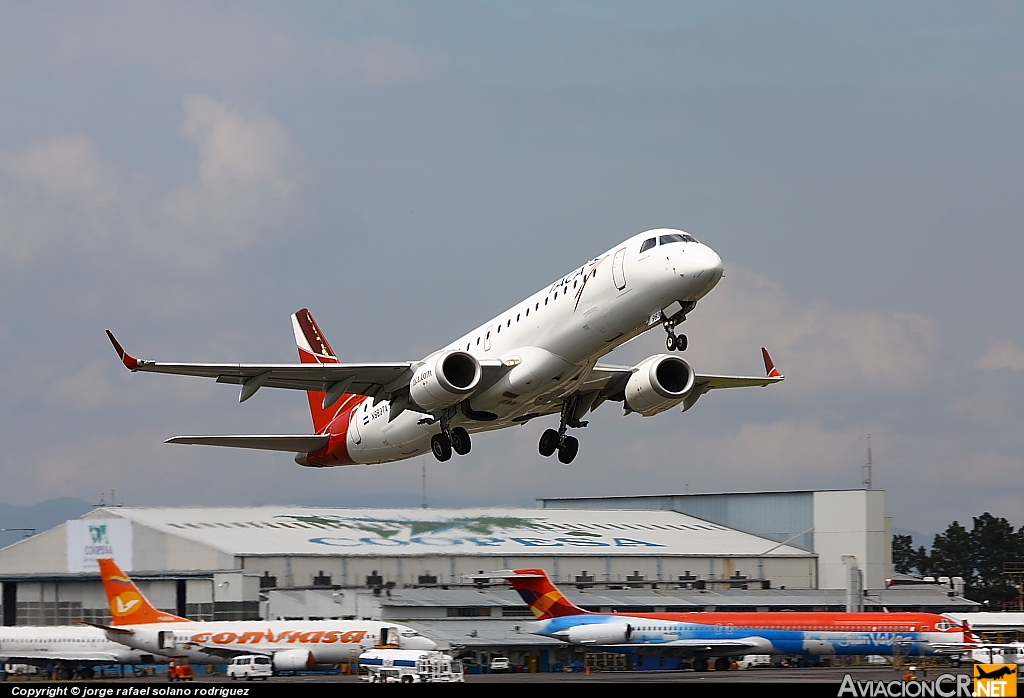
{"x":297,"y":443}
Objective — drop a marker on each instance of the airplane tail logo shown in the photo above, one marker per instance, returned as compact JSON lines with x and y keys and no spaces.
{"x":127,"y":604}
{"x":543,"y":597}
{"x":315,"y":349}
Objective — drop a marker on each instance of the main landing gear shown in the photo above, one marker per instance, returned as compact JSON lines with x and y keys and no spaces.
{"x":567,"y":446}
{"x":457,"y":439}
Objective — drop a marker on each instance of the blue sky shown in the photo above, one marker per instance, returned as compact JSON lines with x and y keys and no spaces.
{"x":190,"y":174}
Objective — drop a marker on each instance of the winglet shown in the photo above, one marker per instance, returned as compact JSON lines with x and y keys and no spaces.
{"x":130,"y":362}
{"x":769,"y":365}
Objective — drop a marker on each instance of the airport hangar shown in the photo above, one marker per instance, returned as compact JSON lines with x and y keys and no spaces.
{"x":760,"y":551}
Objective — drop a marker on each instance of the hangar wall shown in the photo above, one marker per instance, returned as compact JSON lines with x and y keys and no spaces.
{"x":830,"y":523}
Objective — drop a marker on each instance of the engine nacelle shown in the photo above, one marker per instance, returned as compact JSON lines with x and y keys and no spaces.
{"x":444,"y":380}
{"x":658,"y":383}
{"x":293,"y":660}
{"x":599,"y":634}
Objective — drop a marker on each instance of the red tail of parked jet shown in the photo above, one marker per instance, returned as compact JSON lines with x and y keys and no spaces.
{"x":127,"y":604}
{"x":543,"y":597}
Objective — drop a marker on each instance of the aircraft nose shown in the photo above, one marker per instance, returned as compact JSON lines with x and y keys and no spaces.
{"x":420,"y":643}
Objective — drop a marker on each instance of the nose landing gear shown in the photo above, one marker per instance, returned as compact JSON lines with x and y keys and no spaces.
{"x":674,"y":342}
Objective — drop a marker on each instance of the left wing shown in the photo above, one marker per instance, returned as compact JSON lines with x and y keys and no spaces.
{"x":610,"y":381}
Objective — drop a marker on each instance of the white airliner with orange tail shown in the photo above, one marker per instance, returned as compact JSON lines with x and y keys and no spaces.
{"x":538,"y":358}
{"x":292,"y":645}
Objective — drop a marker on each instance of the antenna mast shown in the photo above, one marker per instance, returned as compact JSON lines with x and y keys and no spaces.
{"x":423,"y":464}
{"x":867,"y":467}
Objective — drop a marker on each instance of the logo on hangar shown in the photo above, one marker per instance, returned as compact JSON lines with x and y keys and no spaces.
{"x":471,"y":531}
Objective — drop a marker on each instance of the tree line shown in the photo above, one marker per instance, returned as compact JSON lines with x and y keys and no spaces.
{"x":977,"y":555}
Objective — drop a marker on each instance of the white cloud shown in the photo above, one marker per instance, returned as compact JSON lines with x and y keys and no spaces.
{"x":1001,"y":354}
{"x":61,"y":194}
{"x":67,"y":170}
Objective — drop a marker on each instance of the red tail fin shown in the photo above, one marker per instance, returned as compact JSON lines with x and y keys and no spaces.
{"x":314,"y":349}
{"x":127,"y":604}
{"x":543,"y":597}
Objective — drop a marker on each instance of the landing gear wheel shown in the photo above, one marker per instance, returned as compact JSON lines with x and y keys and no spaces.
{"x":568,"y":450}
{"x":722,"y":664}
{"x":549,"y":442}
{"x":441,"y":447}
{"x":700,"y":664}
{"x":460,"y":441}
{"x":670,"y":342}
{"x":681,"y":342}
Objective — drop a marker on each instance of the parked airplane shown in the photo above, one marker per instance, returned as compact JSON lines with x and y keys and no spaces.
{"x":68,"y":645}
{"x":293,"y":645}
{"x":698,"y":637}
{"x":538,"y":358}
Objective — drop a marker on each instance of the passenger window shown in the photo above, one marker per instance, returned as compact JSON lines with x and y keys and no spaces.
{"x":517,"y":317}
{"x":648,"y":244}
{"x":527,"y":312}
{"x":478,"y":341}
{"x":509,"y":323}
{"x":556,"y":295}
{"x":499,"y":329}
{"x":545,"y":300}
{"x":574,"y":283}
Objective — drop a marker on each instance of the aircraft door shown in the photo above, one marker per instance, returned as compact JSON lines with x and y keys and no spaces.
{"x":487,"y":339}
{"x":618,"y":274}
{"x":165,"y":640}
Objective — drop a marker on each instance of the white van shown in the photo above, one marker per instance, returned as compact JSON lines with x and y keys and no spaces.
{"x":250,"y":666}
{"x":409,"y":666}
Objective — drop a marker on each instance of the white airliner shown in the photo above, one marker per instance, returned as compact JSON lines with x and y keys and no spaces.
{"x":538,"y":358}
{"x":292,"y":645}
{"x":65,"y":644}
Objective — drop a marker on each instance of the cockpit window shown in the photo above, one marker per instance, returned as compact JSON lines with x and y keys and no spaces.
{"x":675,"y":237}
{"x":648,"y":244}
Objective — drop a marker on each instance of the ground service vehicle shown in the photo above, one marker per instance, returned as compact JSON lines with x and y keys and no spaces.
{"x":409,"y":666}
{"x":178,"y":669}
{"x":250,"y":666}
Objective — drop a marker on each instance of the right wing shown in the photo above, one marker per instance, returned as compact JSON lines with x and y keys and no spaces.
{"x":366,"y":378}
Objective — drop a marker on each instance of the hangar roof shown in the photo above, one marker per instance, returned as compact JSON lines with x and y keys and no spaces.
{"x":292,"y":530}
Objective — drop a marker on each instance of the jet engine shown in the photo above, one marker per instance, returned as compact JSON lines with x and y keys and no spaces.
{"x":444,"y":380}
{"x":293,"y":660}
{"x":599,"y":634}
{"x":658,"y":383}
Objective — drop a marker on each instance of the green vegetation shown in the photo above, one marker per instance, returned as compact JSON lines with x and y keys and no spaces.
{"x":977,"y":555}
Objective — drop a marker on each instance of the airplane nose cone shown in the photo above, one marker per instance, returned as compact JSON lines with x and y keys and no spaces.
{"x":706,"y":268}
{"x":420,"y":643}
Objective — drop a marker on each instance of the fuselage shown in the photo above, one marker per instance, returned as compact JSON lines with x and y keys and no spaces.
{"x":329,"y":641}
{"x":552,"y":340}
{"x":65,"y":643}
{"x":765,"y":633}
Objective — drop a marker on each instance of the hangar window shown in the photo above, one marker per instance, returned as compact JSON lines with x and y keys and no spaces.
{"x":648,"y":244}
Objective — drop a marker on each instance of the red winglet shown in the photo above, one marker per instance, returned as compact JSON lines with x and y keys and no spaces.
{"x":130,"y":362}
{"x":769,"y":365}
